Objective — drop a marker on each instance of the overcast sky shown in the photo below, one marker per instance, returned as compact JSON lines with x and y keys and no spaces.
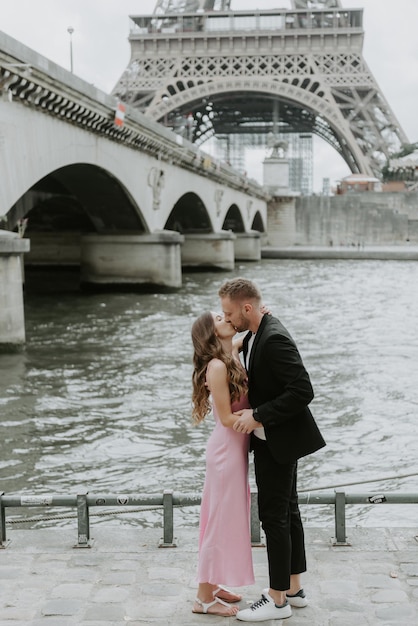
{"x":101,"y":50}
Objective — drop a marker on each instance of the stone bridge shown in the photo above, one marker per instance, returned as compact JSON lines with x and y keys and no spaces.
{"x":128,"y":204}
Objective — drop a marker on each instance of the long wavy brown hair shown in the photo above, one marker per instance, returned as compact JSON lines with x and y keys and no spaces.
{"x":207,"y":346}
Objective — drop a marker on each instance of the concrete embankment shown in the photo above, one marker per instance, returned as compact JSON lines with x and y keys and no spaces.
{"x":389,"y":253}
{"x":125,"y":578}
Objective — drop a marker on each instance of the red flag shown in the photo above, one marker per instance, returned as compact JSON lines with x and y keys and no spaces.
{"x":120,"y":115}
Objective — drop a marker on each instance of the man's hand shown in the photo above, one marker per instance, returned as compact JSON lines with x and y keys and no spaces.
{"x":245,"y":422}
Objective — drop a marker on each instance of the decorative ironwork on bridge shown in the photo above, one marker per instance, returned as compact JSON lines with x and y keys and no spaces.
{"x":204,"y":69}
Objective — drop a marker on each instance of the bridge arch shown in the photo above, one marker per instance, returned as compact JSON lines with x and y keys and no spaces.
{"x":79,"y":197}
{"x":189,"y":215}
{"x":233,"y":220}
{"x":257,"y":223}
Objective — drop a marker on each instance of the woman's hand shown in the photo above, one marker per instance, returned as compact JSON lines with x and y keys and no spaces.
{"x":237,"y":345}
{"x":265,"y":310}
{"x":245,"y":422}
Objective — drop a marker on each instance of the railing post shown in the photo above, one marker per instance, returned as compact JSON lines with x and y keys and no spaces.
{"x":340,"y":536}
{"x":2,"y":522}
{"x":168,"y":520}
{"x":83,"y":522}
{"x":255,"y":522}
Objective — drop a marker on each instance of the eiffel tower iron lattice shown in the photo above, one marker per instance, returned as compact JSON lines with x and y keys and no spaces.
{"x":203,"y":69}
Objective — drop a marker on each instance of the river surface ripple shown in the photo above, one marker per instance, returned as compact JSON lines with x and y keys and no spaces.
{"x":99,"y":400}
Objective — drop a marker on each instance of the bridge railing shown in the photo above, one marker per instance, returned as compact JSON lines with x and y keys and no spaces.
{"x":169,"y":500}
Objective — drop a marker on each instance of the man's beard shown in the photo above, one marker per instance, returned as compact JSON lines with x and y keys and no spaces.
{"x":243,"y":325}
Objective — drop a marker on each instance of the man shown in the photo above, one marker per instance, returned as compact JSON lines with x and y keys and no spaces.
{"x":282,"y":431}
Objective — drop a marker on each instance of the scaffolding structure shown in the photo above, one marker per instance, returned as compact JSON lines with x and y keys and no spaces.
{"x":234,"y":149}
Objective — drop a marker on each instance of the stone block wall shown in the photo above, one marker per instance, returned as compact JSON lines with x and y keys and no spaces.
{"x":356,"y":219}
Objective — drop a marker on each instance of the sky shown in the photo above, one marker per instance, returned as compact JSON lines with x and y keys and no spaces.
{"x":101,"y":52}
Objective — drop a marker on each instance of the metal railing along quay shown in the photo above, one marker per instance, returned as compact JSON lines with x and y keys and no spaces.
{"x":170,"y":500}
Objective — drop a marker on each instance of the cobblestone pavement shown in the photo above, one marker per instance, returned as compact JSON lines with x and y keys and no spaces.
{"x":125,"y":578}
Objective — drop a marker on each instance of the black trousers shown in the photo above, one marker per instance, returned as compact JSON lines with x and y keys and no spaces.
{"x":279,"y":515}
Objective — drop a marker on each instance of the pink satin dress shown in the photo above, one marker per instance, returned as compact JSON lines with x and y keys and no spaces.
{"x":224,"y":538}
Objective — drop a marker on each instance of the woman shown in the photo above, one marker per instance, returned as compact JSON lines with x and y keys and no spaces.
{"x":224,"y":538}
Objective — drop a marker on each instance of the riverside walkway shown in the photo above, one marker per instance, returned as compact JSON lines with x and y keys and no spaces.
{"x":125,"y":578}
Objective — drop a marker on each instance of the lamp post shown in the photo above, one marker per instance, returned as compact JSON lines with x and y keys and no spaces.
{"x":70,"y":30}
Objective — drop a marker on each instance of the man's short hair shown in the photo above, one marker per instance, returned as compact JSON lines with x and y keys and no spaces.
{"x":239,"y":289}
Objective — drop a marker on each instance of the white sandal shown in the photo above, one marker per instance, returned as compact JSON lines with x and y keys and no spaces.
{"x":206,"y":605}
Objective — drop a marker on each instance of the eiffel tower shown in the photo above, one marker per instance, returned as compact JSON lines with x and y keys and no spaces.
{"x":206,"y":70}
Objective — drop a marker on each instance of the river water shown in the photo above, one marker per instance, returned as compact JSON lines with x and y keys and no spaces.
{"x":99,"y":400}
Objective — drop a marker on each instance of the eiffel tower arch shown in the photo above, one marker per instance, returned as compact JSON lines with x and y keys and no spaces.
{"x":206,"y":70}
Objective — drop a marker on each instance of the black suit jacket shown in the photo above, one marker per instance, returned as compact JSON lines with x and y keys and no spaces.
{"x":280,"y":390}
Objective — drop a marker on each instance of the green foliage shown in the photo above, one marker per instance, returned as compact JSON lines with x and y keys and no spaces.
{"x":406,"y":149}
{"x":400,"y":173}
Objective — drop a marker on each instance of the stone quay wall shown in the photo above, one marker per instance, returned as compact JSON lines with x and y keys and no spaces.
{"x":356,"y":219}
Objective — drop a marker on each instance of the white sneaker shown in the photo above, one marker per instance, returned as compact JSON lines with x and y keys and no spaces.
{"x":264,"y":609}
{"x":299,"y":599}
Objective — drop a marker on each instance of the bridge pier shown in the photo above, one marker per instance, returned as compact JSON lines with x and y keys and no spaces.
{"x":12,"y":318}
{"x":248,"y":246}
{"x":213,"y":251}
{"x":281,"y":221}
{"x":134,"y":260}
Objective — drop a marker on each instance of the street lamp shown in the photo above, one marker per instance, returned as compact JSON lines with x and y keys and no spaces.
{"x":70,"y":30}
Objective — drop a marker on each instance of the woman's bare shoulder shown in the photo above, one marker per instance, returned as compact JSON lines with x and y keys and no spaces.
{"x":216,"y":374}
{"x":216,"y":365}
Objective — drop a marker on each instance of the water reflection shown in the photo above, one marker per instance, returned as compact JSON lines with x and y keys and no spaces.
{"x":100,"y":399}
